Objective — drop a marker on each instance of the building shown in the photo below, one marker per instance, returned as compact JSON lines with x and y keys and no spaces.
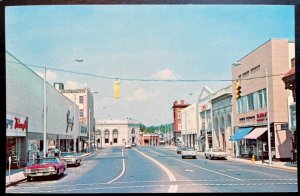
{"x":190,"y":125}
{"x":84,"y":98}
{"x":290,"y":84}
{"x":150,"y":139}
{"x":263,"y":99}
{"x":117,"y":132}
{"x":222,"y":119}
{"x":25,"y":114}
{"x":204,"y":138}
{"x":177,"y":107}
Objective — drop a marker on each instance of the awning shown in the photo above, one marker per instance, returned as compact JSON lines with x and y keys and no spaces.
{"x":258,"y":131}
{"x":241,"y":133}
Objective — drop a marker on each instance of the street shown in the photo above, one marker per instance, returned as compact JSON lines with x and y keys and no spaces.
{"x":160,"y":170}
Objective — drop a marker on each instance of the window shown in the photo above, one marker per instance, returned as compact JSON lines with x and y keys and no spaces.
{"x":262,"y":98}
{"x":115,"y":136}
{"x":81,"y":113}
{"x":106,"y":136}
{"x":132,"y":131}
{"x":255,"y":101}
{"x":250,"y":102}
{"x":179,"y":114}
{"x":80,"y":99}
{"x":265,"y":98}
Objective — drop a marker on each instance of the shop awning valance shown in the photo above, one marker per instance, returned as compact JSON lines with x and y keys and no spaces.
{"x":240,"y":133}
{"x":257,"y":131}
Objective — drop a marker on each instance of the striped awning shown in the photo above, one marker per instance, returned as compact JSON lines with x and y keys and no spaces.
{"x":257,"y":131}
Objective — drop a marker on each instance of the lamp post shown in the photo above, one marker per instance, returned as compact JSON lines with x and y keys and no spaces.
{"x":79,"y":60}
{"x":268,"y":113}
{"x":74,"y":124}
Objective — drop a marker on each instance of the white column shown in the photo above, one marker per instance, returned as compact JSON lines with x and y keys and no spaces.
{"x":45,"y":112}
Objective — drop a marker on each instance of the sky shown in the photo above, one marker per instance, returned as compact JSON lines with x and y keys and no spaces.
{"x":144,"y":42}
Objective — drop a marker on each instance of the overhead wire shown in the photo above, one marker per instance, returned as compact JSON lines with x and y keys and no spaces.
{"x":146,"y":80}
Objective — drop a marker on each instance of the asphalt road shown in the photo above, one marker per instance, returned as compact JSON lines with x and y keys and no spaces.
{"x":160,"y":170}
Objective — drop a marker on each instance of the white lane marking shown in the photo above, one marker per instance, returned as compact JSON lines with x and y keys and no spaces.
{"x":200,"y":167}
{"x":173,"y":188}
{"x":121,"y":174}
{"x":189,"y":170}
{"x":135,"y":182}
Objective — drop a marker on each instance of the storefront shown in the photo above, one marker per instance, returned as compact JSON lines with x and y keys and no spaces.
{"x":16,"y":131}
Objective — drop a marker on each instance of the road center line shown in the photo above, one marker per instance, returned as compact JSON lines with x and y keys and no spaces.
{"x":121,"y":174}
{"x":173,"y":188}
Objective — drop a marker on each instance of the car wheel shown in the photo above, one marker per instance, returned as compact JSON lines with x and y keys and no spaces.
{"x":29,"y":178}
{"x":195,"y":157}
{"x":210,"y":157}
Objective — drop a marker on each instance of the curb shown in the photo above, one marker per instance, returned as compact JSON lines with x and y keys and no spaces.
{"x":14,"y":182}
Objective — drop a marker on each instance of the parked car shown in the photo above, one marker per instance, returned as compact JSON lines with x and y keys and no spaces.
{"x":127,"y":146}
{"x":189,"y":152}
{"x":133,"y":144}
{"x":71,"y":158}
{"x":215,"y":153}
{"x":179,"y":149}
{"x":47,"y":166}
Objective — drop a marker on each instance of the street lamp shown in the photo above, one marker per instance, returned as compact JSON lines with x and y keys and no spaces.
{"x":268,"y":113}
{"x":79,"y":60}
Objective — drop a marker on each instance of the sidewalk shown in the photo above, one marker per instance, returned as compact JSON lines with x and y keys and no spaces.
{"x":16,"y":175}
{"x":276,"y":164}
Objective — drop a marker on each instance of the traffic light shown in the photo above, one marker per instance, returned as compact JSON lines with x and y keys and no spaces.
{"x":117,"y":89}
{"x":237,"y":90}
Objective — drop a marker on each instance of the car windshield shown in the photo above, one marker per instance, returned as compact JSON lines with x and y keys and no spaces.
{"x":217,"y":150}
{"x":189,"y":149}
{"x":46,"y":160}
{"x":64,"y":154}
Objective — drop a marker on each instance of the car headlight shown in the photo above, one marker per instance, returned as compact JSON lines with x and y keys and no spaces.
{"x":27,"y":170}
{"x":52,"y":168}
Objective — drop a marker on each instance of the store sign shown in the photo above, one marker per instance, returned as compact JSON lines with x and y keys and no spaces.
{"x":73,"y":91}
{"x":16,"y":125}
{"x":261,"y":117}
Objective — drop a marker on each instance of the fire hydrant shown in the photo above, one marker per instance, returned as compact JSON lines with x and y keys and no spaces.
{"x":253,"y":158}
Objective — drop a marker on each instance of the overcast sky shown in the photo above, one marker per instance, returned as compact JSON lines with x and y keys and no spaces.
{"x":168,"y":42}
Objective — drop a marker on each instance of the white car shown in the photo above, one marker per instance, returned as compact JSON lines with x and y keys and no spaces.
{"x":215,"y":153}
{"x":188,"y":152}
{"x":127,"y":146}
{"x":71,"y":158}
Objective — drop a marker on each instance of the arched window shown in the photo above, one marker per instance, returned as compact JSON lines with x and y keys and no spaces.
{"x":132,"y":131}
{"x":115,"y":136}
{"x":106,"y":136}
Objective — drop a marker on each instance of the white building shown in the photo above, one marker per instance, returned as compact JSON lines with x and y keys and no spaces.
{"x":190,"y":125}
{"x":117,"y":132}
{"x":205,"y":120}
{"x":25,"y":115}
